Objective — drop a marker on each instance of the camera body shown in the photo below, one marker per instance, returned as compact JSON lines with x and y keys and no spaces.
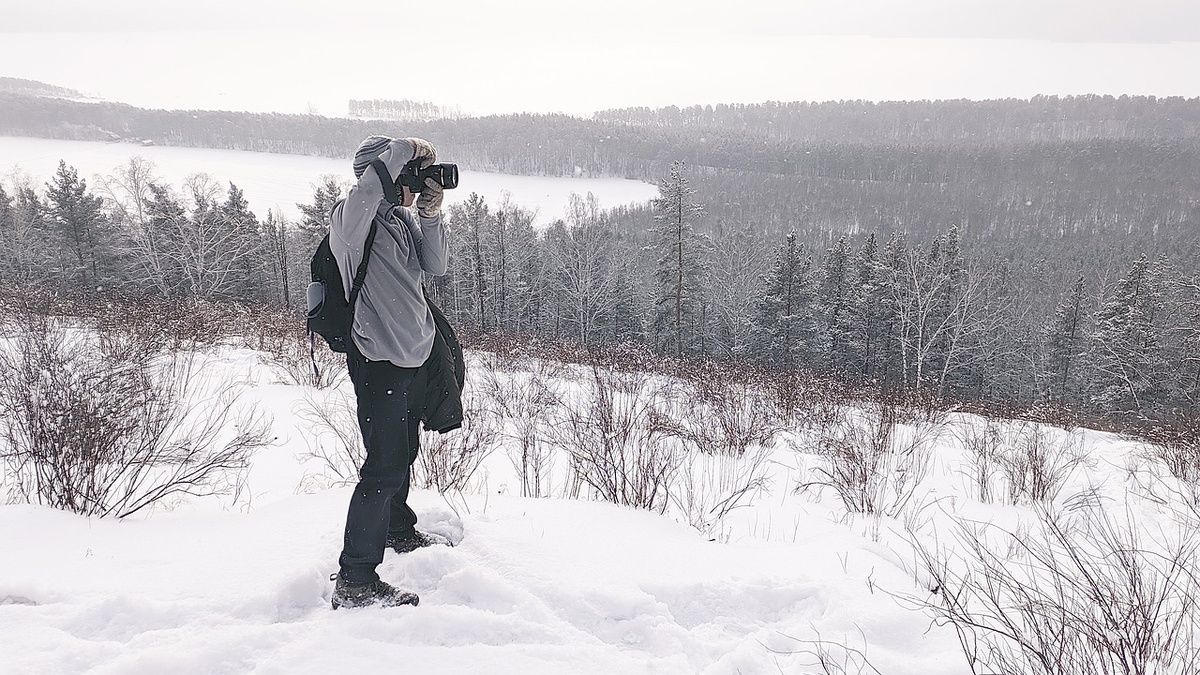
{"x":412,"y":176}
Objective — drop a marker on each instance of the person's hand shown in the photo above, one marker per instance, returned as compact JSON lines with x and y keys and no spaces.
{"x":424,"y":151}
{"x":429,"y":203}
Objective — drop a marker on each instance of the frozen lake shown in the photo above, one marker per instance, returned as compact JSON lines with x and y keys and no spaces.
{"x":279,"y":182}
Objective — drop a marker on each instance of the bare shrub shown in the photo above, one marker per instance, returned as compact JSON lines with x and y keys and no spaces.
{"x":982,"y":445}
{"x":523,"y":404}
{"x":708,"y":487}
{"x":444,"y":462}
{"x":336,"y":446}
{"x":722,"y":416}
{"x":613,"y":444}
{"x":97,"y":426}
{"x":873,"y":468}
{"x":833,"y":658}
{"x":303,"y":362}
{"x":1176,"y":443}
{"x":1079,"y":594}
{"x":1035,"y":466}
{"x":448,"y":462}
{"x":804,"y":400}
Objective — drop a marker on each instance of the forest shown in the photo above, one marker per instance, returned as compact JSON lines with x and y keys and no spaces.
{"x":1031,"y":254}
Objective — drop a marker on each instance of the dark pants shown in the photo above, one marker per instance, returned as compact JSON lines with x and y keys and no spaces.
{"x":379,"y":505}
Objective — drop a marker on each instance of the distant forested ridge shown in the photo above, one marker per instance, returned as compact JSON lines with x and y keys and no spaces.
{"x":402,"y":110}
{"x":16,"y":85}
{"x":1015,"y":251}
{"x":1046,"y":168}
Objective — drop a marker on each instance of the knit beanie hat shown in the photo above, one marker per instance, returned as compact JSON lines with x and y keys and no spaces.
{"x":368,"y":150}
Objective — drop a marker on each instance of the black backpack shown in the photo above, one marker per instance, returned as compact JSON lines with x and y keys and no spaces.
{"x":329,"y":313}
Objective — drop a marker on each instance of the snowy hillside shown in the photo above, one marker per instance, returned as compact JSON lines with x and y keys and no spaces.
{"x":734,"y":568}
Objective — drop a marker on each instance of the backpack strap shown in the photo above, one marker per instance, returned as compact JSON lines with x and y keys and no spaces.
{"x":389,"y":193}
{"x":385,"y":179}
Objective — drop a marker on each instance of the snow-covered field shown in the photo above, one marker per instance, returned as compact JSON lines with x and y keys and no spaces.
{"x":279,"y":182}
{"x":534,"y":585}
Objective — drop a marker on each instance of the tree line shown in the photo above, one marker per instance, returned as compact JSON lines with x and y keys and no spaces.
{"x":1006,"y":169}
{"x":884,"y":310}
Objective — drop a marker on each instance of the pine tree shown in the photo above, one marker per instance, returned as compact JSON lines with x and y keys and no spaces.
{"x":8,"y":214}
{"x":1065,"y":343}
{"x":159,"y":246}
{"x":786,"y":325}
{"x":470,"y":300}
{"x":678,"y":274}
{"x":247,"y":247}
{"x":314,"y":223}
{"x":837,"y":298}
{"x":82,"y":227}
{"x":514,"y":264}
{"x":1124,"y":347}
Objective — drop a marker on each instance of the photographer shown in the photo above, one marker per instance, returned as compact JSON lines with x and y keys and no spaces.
{"x":392,"y":337}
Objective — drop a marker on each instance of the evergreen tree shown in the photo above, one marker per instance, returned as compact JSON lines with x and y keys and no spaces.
{"x":158,"y":247}
{"x":82,"y":227}
{"x":8,"y":214}
{"x":250,"y":251}
{"x":870,"y":322}
{"x":1065,"y":342}
{"x":786,"y":325}
{"x":678,"y":274}
{"x":470,"y":298}
{"x":512,"y":260}
{"x":314,"y":221}
{"x":837,"y":298}
{"x":1124,"y":353}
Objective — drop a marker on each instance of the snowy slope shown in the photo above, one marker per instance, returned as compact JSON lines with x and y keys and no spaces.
{"x":534,"y":586}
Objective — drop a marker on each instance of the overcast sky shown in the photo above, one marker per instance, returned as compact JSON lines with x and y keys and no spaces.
{"x":564,"y":55}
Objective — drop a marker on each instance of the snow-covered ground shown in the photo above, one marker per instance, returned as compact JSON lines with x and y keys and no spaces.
{"x":279,"y":182}
{"x":533,"y":586}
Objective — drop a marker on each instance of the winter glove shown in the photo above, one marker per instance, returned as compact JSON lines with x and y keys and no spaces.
{"x":429,"y":203}
{"x":424,"y":151}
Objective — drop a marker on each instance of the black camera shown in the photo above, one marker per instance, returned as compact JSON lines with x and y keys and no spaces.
{"x":412,"y":176}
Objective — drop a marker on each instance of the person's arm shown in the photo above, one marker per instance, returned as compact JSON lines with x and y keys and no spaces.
{"x":351,"y":218}
{"x":435,"y":250}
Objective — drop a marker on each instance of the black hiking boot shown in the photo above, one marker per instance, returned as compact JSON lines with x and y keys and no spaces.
{"x":374,"y":593}
{"x":416,"y":540}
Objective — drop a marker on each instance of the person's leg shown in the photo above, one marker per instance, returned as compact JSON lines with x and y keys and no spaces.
{"x":403,"y":520}
{"x":384,"y":418}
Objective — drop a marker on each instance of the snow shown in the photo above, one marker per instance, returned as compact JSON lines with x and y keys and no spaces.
{"x":279,"y":182}
{"x":532,"y":586}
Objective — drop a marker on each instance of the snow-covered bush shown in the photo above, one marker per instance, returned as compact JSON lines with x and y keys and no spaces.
{"x":97,"y":425}
{"x":873,"y":462}
{"x":613,"y":444}
{"x":1036,"y":460}
{"x":448,"y":462}
{"x":335,"y":445}
{"x":722,"y":414}
{"x":302,"y":362}
{"x":1082,"y":592}
{"x":523,"y":404}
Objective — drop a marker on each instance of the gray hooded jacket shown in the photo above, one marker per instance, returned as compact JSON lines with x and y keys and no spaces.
{"x":392,"y":321}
